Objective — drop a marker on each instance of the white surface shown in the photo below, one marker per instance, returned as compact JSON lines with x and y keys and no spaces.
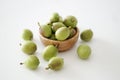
{"x":102,"y":16}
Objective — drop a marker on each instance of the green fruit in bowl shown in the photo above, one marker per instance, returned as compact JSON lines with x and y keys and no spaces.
{"x":57,"y":25}
{"x":29,"y":47}
{"x":70,"y":21}
{"x":53,"y":37}
{"x":54,"y":17}
{"x":62,"y":33}
{"x":49,"y":52}
{"x":46,"y":30}
{"x":72,"y":32}
{"x":86,"y":35}
{"x":55,"y":63}
{"x":83,"y":51}
{"x":60,"y":19}
{"x":27,"y":34}
{"x":32,"y":62}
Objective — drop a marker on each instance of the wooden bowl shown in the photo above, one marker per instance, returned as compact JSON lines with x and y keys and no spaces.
{"x":61,"y":45}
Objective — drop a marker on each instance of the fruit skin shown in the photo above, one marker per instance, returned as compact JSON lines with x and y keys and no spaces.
{"x":60,"y":19}
{"x":49,"y":52}
{"x":62,"y":33}
{"x":57,"y":25}
{"x":55,"y":17}
{"x":55,"y":63}
{"x":27,"y":34}
{"x":29,"y":47}
{"x":32,"y":62}
{"x":83,"y":51}
{"x":72,"y":32}
{"x":53,"y":37}
{"x":46,"y":30}
{"x":70,"y":21}
{"x":86,"y":35}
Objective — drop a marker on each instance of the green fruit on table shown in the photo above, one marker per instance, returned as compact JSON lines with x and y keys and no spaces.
{"x":86,"y":35}
{"x":62,"y":33}
{"x":29,"y":47}
{"x":49,"y":52}
{"x":70,"y":21}
{"x":55,"y":63}
{"x":46,"y":30}
{"x":32,"y":62}
{"x":57,"y":25}
{"x":83,"y":51}
{"x":27,"y":34}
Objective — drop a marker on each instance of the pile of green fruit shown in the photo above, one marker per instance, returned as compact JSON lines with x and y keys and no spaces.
{"x":61,"y":30}
{"x":49,"y":53}
{"x":29,"y":47}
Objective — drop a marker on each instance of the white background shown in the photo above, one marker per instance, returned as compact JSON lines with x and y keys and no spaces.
{"x":102,"y":16}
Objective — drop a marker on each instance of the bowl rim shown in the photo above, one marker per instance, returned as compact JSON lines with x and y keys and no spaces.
{"x":77,"y":33}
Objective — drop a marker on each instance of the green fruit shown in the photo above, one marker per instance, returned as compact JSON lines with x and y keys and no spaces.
{"x":49,"y":52}
{"x":46,"y":30}
{"x":62,"y":33}
{"x":53,"y":37}
{"x":86,"y":35}
{"x":27,"y":34}
{"x":84,"y":51}
{"x":70,"y":21}
{"x":60,"y":19}
{"x":72,"y":32}
{"x":29,"y":47}
{"x":32,"y":62}
{"x":54,"y":17}
{"x":55,"y":63}
{"x":57,"y":25}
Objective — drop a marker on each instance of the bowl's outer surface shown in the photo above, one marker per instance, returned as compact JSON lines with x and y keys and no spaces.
{"x":61,"y":45}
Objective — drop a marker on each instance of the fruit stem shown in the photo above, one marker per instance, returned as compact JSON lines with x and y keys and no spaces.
{"x":21,"y":63}
{"x":39,"y":24}
{"x":57,"y":45}
{"x":49,"y":23}
{"x":47,"y":68}
{"x":20,"y":44}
